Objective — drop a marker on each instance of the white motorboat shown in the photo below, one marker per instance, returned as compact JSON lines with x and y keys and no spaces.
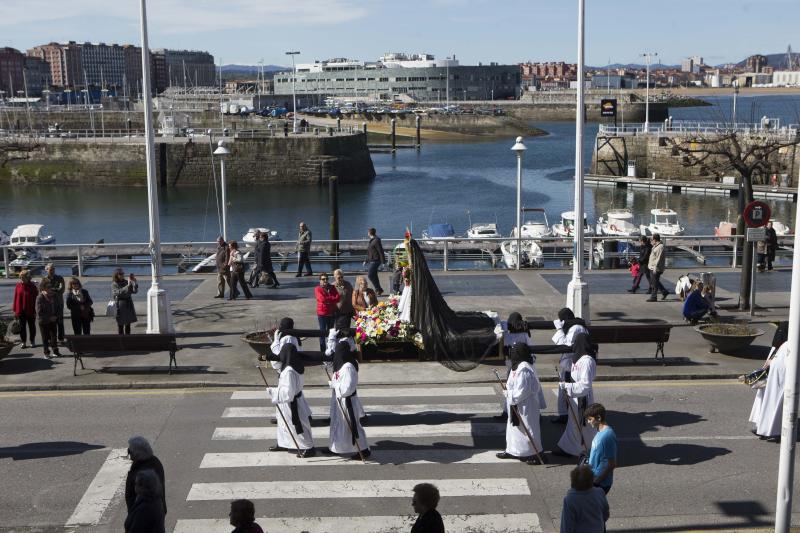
{"x":781,"y":229}
{"x":24,"y":258}
{"x":534,"y":226}
{"x":483,"y":231}
{"x":664,"y":221}
{"x":249,"y":238}
{"x":566,"y":227}
{"x":530,"y":256}
{"x":30,"y":235}
{"x":207,"y":264}
{"x":617,"y":223}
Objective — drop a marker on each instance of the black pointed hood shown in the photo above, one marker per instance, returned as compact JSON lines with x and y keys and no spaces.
{"x":289,"y":356}
{"x":342,"y":355}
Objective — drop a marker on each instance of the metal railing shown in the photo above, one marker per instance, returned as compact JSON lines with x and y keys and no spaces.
{"x":453,"y":253}
{"x":682,"y":127}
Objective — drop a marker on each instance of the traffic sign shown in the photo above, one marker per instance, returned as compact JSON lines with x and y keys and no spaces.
{"x":756,"y":234}
{"x":756,"y":214}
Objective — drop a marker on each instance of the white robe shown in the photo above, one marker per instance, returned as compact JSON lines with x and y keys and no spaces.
{"x":404,"y":305}
{"x":565,"y":363}
{"x":755,"y":411}
{"x":343,"y":384}
{"x":770,"y":416}
{"x":509,"y":339}
{"x":289,"y":385}
{"x":279,"y":342}
{"x":522,"y":390}
{"x":583,"y":373}
{"x":330,"y":342}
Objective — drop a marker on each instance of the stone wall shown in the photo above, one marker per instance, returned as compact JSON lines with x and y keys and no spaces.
{"x":182,"y":162}
{"x":627,"y":112}
{"x":468,"y":124}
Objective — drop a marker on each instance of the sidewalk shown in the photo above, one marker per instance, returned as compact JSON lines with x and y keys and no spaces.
{"x":213,"y":355}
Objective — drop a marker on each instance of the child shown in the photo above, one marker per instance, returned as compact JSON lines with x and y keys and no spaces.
{"x":635,"y":268}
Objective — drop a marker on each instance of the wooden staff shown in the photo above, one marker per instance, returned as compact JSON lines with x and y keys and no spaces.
{"x":280,"y":412}
{"x":344,"y":414}
{"x":574,"y":416}
{"x":521,"y":421}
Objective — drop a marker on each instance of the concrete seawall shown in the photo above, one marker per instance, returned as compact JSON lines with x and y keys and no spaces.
{"x":301,"y":160}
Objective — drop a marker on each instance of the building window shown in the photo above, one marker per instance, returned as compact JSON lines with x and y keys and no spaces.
{"x":384,"y":79}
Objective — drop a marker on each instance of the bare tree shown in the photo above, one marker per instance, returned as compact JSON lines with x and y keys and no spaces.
{"x":753,"y":155}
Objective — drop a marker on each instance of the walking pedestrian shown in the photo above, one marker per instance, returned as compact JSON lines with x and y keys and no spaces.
{"x":375,"y":259}
{"x":292,"y":410}
{"x":514,"y":330}
{"x":347,"y":436}
{"x":47,"y":314}
{"x":255,"y":272}
{"x":223,"y":270}
{"x":603,"y":454}
{"x":567,"y":327}
{"x":761,"y":255}
{"x":24,"y":307}
{"x":80,"y":308}
{"x":524,"y":400}
{"x":327,"y":297}
{"x":123,"y":290}
{"x":236,"y":265}
{"x":585,"y":508}
{"x":140,"y":452}
{"x":363,"y":297}
{"x":264,"y":262}
{"x":303,"y":250}
{"x":424,"y":503}
{"x":772,"y":244}
{"x":643,"y":260}
{"x":147,"y":513}
{"x":577,"y":435}
{"x":281,"y":338}
{"x":344,"y":307}
{"x":770,"y":412}
{"x":57,"y":288}
{"x":243,"y":517}
{"x":657,"y":264}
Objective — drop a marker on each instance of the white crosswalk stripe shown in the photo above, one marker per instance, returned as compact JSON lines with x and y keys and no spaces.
{"x":450,"y":429}
{"x":488,"y":523}
{"x":321,"y":412}
{"x":386,"y":392}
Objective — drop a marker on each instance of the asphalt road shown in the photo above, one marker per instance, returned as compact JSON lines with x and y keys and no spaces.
{"x":687,"y":460}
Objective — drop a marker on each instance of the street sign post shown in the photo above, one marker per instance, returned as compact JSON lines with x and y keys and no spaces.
{"x":756,"y":234}
{"x":756,"y":214}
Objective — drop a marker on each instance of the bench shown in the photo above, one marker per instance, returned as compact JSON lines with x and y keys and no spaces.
{"x":620,"y":333}
{"x":81,"y":345}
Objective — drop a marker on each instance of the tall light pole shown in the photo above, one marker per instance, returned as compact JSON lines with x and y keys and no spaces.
{"x":735,"y":94}
{"x":519,"y":149}
{"x":447,"y":82}
{"x":648,"y":56}
{"x":578,"y":289}
{"x":222,"y":152}
{"x":294,"y":92}
{"x":783,"y":506}
{"x":159,"y":315}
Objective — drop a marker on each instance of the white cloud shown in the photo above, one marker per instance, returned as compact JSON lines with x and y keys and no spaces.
{"x":187,"y":16}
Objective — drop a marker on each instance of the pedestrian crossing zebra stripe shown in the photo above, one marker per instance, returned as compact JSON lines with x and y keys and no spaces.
{"x":488,"y":523}
{"x":263,"y":411}
{"x":400,"y":392}
{"x":101,"y":490}
{"x":449,"y":429}
{"x":378,"y":458}
{"x":369,"y":488}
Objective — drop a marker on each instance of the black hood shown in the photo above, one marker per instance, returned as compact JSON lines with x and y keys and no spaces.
{"x":582,"y":345}
{"x":520,"y":352}
{"x":566,"y":314}
{"x":289,"y":356}
{"x":342,"y":355}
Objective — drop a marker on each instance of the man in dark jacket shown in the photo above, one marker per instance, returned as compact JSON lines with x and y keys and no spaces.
{"x":147,"y":513}
{"x":57,"y":288}
{"x":223,"y":271}
{"x":426,"y":498}
{"x":375,"y":258}
{"x":255,"y":273}
{"x":771,"y":238}
{"x":303,"y":249}
{"x":644,"y":258}
{"x":142,"y":458}
{"x":264,"y":261}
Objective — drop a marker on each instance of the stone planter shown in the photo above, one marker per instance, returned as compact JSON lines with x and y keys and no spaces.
{"x":728,"y":338}
{"x":259,"y":341}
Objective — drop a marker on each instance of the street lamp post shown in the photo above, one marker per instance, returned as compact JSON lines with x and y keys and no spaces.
{"x":735,"y":94}
{"x":222,"y":152}
{"x":578,"y":289}
{"x":648,"y":56}
{"x":159,"y":316}
{"x":294,"y":92}
{"x":519,"y":149}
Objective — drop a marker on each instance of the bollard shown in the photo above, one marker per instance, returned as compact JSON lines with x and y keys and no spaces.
{"x":444,"y":262}
{"x":339,"y":124}
{"x":394,"y":136}
{"x":80,"y":262}
{"x":364,"y":127}
{"x":330,"y":132}
{"x":419,"y":140}
{"x":5,"y":262}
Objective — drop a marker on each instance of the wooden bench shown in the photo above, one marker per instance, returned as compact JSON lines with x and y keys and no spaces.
{"x":81,"y":345}
{"x":620,"y":333}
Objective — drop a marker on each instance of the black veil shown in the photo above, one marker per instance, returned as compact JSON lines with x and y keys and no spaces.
{"x":459,"y":340}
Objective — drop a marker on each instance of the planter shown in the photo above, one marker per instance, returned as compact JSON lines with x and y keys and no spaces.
{"x":5,"y":348}
{"x":391,"y":351}
{"x":259,"y":341}
{"x":728,"y":338}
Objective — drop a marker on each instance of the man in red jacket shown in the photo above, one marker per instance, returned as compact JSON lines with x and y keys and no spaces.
{"x":25,"y":307}
{"x":327,"y":297}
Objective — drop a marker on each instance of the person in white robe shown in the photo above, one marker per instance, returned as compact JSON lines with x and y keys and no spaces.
{"x":777,"y":340}
{"x":281,"y":339}
{"x":292,"y":410}
{"x":515,"y":330}
{"x":404,"y":305}
{"x":578,"y":435}
{"x":341,"y":332}
{"x":567,"y":326}
{"x":523,"y":403}
{"x":770,"y":417}
{"x":347,"y":436}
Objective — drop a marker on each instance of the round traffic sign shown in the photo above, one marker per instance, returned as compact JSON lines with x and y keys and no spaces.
{"x":756,"y":214}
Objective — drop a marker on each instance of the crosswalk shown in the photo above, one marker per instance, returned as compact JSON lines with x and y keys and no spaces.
{"x":441,"y":434}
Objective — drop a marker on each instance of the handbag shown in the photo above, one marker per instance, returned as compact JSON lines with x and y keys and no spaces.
{"x":111,"y":308}
{"x":15,"y":327}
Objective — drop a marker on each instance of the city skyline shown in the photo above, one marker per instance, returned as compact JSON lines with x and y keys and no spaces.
{"x":247,"y":31}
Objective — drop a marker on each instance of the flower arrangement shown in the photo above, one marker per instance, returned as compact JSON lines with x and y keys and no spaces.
{"x":382,"y":323}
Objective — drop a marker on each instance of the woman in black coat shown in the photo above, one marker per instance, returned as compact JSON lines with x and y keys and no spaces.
{"x":147,"y":513}
{"x":80,"y":308}
{"x":142,"y":458}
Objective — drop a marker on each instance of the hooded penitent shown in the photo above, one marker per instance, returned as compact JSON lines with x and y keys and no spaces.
{"x":290,"y":357}
{"x":582,"y":345}
{"x":342,"y":355}
{"x":520,"y":352}
{"x":516,"y":324}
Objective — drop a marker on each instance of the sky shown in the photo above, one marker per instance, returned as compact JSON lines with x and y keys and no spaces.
{"x":505,"y":31}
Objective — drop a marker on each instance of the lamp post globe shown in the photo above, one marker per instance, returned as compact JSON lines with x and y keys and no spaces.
{"x":519,"y":149}
{"x":222,"y":152}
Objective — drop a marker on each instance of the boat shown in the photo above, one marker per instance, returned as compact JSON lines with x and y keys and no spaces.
{"x":30,"y":235}
{"x":617,"y":223}
{"x":725,"y":229}
{"x":664,"y":221}
{"x":249,"y":238}
{"x":535,"y":227}
{"x":438,"y":231}
{"x":206,"y":265}
{"x":24,"y":258}
{"x":483,"y":231}
{"x":531,"y":255}
{"x":567,"y":225}
{"x":781,"y":229}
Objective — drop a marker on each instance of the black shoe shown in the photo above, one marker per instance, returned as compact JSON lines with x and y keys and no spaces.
{"x":297,"y":275}
{"x":632,"y":290}
{"x":366,"y":453}
{"x":562,"y":419}
{"x":56,"y":353}
{"x":273,"y":420}
{"x":326,"y":451}
{"x":311,"y":452}
{"x":501,"y":418}
{"x":772,"y":439}
{"x":664,"y":296}
{"x":219,"y":296}
{"x":652,"y":299}
{"x":504,"y":455}
{"x":378,"y":293}
{"x":277,"y":448}
{"x":275,"y":286}
{"x":561,"y":453}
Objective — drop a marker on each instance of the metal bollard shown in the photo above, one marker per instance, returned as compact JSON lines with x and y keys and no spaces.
{"x":80,"y":262}
{"x":5,"y":262}
{"x":445,"y":253}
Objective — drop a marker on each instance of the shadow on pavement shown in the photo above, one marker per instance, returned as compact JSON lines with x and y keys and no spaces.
{"x":23,"y":363}
{"x":163,"y":369}
{"x":41,"y":450}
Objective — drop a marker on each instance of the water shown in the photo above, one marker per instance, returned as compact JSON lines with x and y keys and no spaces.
{"x":442,"y":183}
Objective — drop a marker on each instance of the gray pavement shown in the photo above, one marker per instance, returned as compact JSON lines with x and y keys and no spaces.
{"x":213,"y":354}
